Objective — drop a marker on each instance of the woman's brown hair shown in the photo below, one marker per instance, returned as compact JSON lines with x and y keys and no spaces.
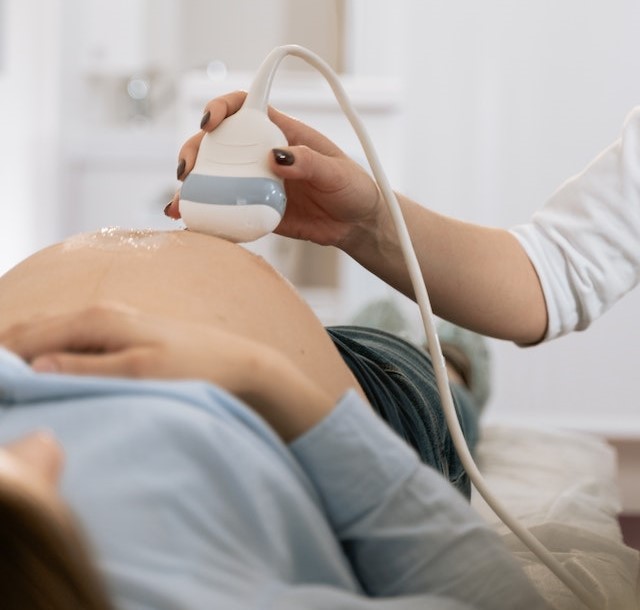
{"x":44,"y":559}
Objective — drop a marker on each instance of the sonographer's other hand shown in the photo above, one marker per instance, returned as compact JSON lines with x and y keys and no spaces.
{"x":110,"y":340}
{"x":331,"y":199}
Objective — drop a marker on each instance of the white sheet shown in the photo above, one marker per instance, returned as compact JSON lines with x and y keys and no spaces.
{"x":563,"y":486}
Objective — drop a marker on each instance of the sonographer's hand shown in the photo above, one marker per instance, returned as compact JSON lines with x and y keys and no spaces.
{"x":331,"y":199}
{"x":110,"y":340}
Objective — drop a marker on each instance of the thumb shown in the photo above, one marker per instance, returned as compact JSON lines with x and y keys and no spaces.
{"x":304,"y":163}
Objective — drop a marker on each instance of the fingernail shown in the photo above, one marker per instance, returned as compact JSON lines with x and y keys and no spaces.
{"x":166,"y":209}
{"x":283,"y":157}
{"x":181,"y":167}
{"x":205,"y":119}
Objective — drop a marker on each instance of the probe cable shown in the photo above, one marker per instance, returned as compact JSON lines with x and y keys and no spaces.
{"x":257,"y":97}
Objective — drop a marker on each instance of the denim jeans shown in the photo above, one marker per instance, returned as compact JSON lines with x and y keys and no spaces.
{"x":398,"y":379}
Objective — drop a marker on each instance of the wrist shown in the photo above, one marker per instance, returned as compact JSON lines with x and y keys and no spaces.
{"x":284,"y":396}
{"x":362,"y":231}
{"x":374,"y":238}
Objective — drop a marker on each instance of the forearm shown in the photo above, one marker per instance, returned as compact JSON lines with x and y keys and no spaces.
{"x":477,"y":277}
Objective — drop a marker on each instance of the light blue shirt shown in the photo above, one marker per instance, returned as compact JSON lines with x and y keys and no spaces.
{"x":192,"y":502}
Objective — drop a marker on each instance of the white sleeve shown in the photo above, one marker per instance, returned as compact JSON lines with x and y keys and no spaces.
{"x":585,"y":242}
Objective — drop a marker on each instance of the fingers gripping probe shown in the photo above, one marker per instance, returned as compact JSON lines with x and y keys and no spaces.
{"x":256,"y":102}
{"x":231,"y":192}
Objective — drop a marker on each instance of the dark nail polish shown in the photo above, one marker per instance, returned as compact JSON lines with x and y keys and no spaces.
{"x":166,"y":208}
{"x":283,"y":157}
{"x":205,"y":119}
{"x":181,"y":167}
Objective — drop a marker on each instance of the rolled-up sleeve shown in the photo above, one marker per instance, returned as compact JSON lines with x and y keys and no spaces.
{"x":585,"y":241}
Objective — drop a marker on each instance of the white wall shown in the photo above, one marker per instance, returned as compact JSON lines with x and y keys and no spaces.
{"x":505,"y":101}
{"x":29,"y":107}
{"x":512,"y":97}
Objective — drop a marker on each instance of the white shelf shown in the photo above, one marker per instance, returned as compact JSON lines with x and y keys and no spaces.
{"x":122,"y":145}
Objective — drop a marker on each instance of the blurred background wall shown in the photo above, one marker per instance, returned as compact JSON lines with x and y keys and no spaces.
{"x":480,"y":109}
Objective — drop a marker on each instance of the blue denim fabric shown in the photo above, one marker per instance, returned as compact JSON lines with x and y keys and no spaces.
{"x":400,"y":383}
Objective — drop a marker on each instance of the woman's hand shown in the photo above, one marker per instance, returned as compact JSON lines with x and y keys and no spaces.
{"x":330,"y":198}
{"x":114,"y":341}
